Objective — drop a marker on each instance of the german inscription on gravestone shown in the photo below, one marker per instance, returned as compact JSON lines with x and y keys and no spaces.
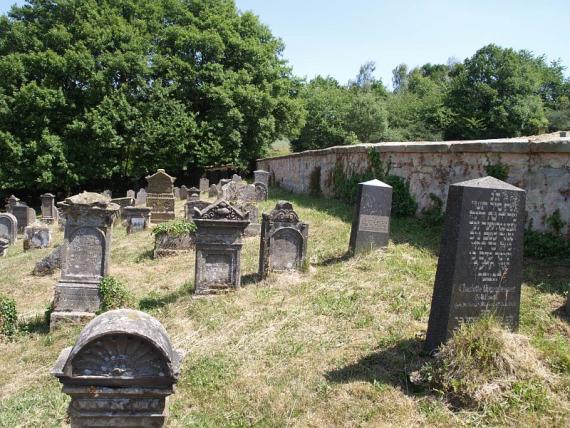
{"x":480,"y":264}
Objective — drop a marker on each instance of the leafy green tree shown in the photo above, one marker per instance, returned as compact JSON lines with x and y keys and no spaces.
{"x":100,"y":90}
{"x":499,"y":93}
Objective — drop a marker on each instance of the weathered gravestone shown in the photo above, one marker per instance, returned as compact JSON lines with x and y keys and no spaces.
{"x":204,"y":184}
{"x":25,"y":215}
{"x":50,"y":214}
{"x":4,"y":244}
{"x":12,"y":201}
{"x":177,"y":193}
{"x":283,"y":244}
{"x":123,"y":203}
{"x":371,"y":218}
{"x":183,"y":192}
{"x":131,"y":194}
{"x":37,"y":236}
{"x":261,"y":176}
{"x":160,"y":196}
{"x":246,"y":200}
{"x":141,"y":197}
{"x":8,"y":227}
{"x":119,"y":372}
{"x":236,"y":178}
{"x":261,"y":191}
{"x":136,"y":219}
{"x":218,"y":247}
{"x":221,"y":184}
{"x":107,"y":193}
{"x":213,"y":191}
{"x":193,"y":202}
{"x":85,"y":259}
{"x":50,"y":263}
{"x":480,"y":262}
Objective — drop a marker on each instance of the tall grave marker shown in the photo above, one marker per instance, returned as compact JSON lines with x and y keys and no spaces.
{"x":85,"y":258}
{"x":160,"y":196}
{"x":371,"y":220}
{"x":49,"y":211}
{"x":480,"y":263}
{"x":8,"y":227}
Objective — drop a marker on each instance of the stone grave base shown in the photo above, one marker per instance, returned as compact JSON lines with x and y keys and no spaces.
{"x":166,"y":245}
{"x":59,"y":319}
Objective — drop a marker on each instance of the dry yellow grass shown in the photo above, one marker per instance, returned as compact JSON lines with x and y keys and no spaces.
{"x":329,"y":347}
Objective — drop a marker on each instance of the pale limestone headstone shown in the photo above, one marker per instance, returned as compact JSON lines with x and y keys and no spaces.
{"x":119,"y":372}
{"x":204,"y":184}
{"x":161,"y":196}
{"x":85,"y":259}
{"x":8,"y":227}
{"x":141,"y":197}
{"x":131,"y":194}
{"x":37,"y":236}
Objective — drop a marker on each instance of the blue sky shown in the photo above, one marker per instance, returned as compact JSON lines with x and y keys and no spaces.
{"x":334,"y":37}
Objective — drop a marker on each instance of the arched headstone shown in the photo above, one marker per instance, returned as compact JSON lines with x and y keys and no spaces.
{"x":8,"y":227}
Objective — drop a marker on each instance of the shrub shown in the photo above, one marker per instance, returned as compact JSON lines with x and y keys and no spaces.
{"x":8,"y":316}
{"x":483,"y":364}
{"x":315,"y":182}
{"x":499,"y":170}
{"x":403,"y":203}
{"x":114,"y":294}
{"x":176,"y":227}
{"x":434,"y":214}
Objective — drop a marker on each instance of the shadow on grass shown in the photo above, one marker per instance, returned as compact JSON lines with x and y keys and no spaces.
{"x":389,"y":366}
{"x":250,"y":279}
{"x":156,"y":301}
{"x":334,"y":260}
{"x":144,"y":256}
{"x":37,"y":325}
{"x":547,"y":276}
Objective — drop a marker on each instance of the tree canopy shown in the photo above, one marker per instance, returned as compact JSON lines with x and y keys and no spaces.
{"x":114,"y":89}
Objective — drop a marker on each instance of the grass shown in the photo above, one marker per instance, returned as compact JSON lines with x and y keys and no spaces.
{"x":328,"y":347}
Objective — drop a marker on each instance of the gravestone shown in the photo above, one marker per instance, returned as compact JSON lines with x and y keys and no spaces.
{"x":50,"y":263}
{"x":4,"y":244}
{"x":245,"y":199}
{"x":131,"y":194}
{"x":236,"y":178}
{"x":160,"y":196}
{"x":12,"y":201}
{"x":192,"y":202}
{"x":193,"y":194}
{"x":25,"y":215}
{"x":107,"y":193}
{"x":119,"y":372}
{"x":9,"y":227}
{"x":261,"y":176}
{"x":183,"y":192}
{"x":141,"y":197}
{"x":177,"y":193}
{"x":49,"y":211}
{"x":136,"y":219}
{"x":213,"y":191}
{"x":221,"y":184}
{"x":37,"y":236}
{"x":85,"y":258}
{"x":204,"y":184}
{"x":283,"y":244}
{"x":124,"y":202}
{"x":371,"y":218}
{"x":261,"y":191}
{"x":218,"y":247}
{"x":480,"y":263}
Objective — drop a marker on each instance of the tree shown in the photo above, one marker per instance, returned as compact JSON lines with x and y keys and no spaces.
{"x":499,"y":92}
{"x":111,"y":90}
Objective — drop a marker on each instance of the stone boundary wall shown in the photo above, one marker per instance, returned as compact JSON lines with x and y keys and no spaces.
{"x":542,"y":168}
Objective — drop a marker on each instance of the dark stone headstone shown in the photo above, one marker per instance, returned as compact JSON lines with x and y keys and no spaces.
{"x":218,"y":247}
{"x":261,"y":176}
{"x":25,"y":215}
{"x":283,"y":244}
{"x":371,"y":219}
{"x":261,"y":191}
{"x":119,"y":372}
{"x":85,"y":259}
{"x":480,"y":262}
{"x":136,"y":219}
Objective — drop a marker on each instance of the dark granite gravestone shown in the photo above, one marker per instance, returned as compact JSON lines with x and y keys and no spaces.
{"x":25,"y":215}
{"x":85,"y":258}
{"x":9,"y":227}
{"x":119,"y":372}
{"x":371,"y":219}
{"x":49,"y":211}
{"x":480,"y":262}
{"x":283,"y":244}
{"x":160,"y":196}
{"x":261,"y":176}
{"x":204,"y":184}
{"x":218,"y":247}
{"x":136,"y":219}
